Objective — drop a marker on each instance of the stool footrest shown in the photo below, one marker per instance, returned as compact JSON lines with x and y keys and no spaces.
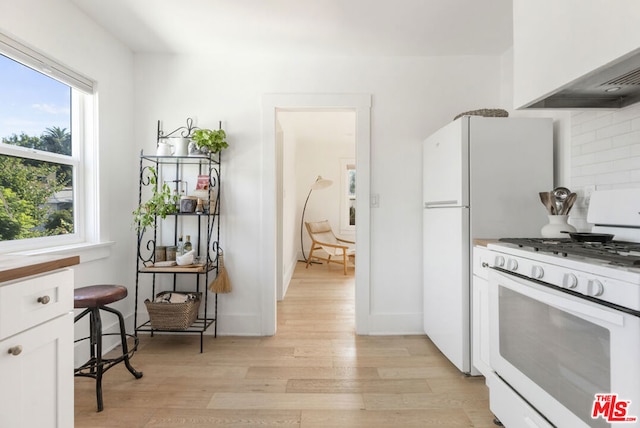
{"x":89,"y":368}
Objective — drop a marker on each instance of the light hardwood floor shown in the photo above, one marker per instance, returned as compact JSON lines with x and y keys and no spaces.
{"x":315,"y":372}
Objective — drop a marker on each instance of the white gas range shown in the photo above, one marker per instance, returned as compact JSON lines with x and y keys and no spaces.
{"x":565,"y":323}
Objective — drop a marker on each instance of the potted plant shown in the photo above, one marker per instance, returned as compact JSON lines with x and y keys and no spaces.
{"x":210,"y":140}
{"x":161,"y":204}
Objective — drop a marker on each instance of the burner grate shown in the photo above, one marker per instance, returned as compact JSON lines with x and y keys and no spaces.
{"x":619,"y":253}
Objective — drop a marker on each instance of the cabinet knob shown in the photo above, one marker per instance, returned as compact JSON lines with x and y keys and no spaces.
{"x":44,"y":299}
{"x":485,"y":264}
{"x":15,"y":350}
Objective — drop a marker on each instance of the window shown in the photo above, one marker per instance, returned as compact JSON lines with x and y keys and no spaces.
{"x":41,"y":132}
{"x":348,"y":202}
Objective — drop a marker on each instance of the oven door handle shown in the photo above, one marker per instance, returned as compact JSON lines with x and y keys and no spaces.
{"x":557,"y":299}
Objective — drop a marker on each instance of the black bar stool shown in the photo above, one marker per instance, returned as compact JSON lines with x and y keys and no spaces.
{"x":94,"y":298}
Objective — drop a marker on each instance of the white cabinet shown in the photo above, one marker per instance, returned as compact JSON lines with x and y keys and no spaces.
{"x":480,"y":311}
{"x":36,"y":351}
{"x":555,"y":42}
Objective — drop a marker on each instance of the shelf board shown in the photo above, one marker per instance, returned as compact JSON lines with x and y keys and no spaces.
{"x":199,"y":325}
{"x":195,"y":159}
{"x":177,"y":269}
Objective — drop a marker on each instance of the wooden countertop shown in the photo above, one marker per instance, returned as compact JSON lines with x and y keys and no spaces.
{"x":483,"y":242}
{"x":16,"y":267}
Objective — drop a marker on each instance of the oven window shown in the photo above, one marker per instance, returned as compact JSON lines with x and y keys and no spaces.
{"x":565,"y":355}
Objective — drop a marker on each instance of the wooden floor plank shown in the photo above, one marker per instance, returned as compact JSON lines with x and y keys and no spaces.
{"x":315,"y":372}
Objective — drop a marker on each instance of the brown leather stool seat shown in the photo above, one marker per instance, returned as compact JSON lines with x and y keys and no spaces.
{"x":93,"y":299}
{"x":98,"y":295}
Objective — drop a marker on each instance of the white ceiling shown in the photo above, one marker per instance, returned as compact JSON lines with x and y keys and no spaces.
{"x":308,"y":27}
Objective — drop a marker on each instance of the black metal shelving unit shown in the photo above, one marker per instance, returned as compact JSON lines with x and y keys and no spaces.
{"x":206,"y":225}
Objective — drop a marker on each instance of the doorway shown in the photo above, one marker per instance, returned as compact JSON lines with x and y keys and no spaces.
{"x":315,"y":143}
{"x":271,"y":237}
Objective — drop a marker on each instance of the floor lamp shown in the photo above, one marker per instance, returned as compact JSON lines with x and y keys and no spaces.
{"x":320,"y":183}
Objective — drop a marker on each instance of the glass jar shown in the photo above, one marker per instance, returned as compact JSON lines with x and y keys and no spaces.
{"x":160,"y":254}
{"x":171,"y":253}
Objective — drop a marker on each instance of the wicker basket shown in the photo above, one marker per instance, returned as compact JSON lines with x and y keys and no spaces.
{"x":173,"y":316}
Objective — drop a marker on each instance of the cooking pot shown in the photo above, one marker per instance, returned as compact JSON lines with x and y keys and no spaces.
{"x":590,"y":237}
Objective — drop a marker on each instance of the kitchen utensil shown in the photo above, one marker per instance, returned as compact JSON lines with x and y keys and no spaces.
{"x":590,"y":237}
{"x":545,"y":198}
{"x":186,"y":258}
{"x":560,"y":194}
{"x":557,"y":226}
{"x":164,"y":149}
{"x":568,"y":204}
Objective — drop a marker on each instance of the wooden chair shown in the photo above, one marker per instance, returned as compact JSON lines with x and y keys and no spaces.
{"x":322,"y":238}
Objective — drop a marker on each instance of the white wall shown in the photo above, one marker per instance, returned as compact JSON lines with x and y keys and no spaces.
{"x":605,"y":153}
{"x":59,"y":30}
{"x":290,"y":223}
{"x":412,"y":97}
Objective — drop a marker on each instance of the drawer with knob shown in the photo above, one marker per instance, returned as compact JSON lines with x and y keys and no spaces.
{"x":28,"y":302}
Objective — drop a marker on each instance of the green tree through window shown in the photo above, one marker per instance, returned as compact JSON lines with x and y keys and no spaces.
{"x":36,"y":185}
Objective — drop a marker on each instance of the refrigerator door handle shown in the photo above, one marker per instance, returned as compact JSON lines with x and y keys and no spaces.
{"x":442,"y":204}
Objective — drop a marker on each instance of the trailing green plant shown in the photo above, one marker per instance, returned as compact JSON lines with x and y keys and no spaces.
{"x":161,"y":204}
{"x":214,"y":140}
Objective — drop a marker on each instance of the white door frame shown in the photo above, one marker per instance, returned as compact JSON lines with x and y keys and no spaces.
{"x":270,"y":247}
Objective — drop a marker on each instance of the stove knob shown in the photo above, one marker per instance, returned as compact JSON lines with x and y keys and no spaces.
{"x":595,"y":288}
{"x":569,"y":281}
{"x":512,"y":264}
{"x":499,"y":261}
{"x":537,"y":272}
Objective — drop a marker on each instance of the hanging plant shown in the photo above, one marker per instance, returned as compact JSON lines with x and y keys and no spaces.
{"x":161,"y":204}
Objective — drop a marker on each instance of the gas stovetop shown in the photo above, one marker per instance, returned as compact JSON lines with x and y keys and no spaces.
{"x":619,"y":253}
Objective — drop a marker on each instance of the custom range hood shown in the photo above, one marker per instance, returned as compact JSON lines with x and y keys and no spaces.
{"x":614,"y":85}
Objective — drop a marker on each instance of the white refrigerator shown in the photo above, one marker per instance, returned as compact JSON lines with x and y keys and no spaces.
{"x":481,"y":180}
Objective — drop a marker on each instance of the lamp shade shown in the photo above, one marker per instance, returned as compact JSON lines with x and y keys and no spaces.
{"x":321,"y":183}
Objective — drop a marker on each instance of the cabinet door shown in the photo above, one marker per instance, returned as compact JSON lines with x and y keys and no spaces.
{"x":480,"y":312}
{"x":37,"y":383}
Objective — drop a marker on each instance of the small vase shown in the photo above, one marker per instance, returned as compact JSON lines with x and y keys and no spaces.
{"x":556,"y":226}
{"x":194,"y":150}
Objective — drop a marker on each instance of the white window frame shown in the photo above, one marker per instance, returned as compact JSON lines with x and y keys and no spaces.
{"x":83,"y":158}
{"x":346,"y":164}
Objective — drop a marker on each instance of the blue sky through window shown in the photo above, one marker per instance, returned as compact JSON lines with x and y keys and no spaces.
{"x":30,"y":102}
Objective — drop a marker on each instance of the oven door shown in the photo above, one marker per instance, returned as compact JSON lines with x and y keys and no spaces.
{"x":559,"y":351}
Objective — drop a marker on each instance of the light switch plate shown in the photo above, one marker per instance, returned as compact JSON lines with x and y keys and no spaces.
{"x":375,"y":200}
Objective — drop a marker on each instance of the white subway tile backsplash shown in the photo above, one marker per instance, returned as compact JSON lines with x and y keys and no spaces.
{"x":596,"y":146}
{"x":616,"y":177}
{"x":597,"y":168}
{"x":605,"y":152}
{"x":593,"y":125}
{"x":583,"y":159}
{"x":627,"y":139}
{"x":613,"y":154}
{"x":587,"y":137}
{"x":630,"y":163}
{"x":614,"y":129}
{"x":580,"y":117}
